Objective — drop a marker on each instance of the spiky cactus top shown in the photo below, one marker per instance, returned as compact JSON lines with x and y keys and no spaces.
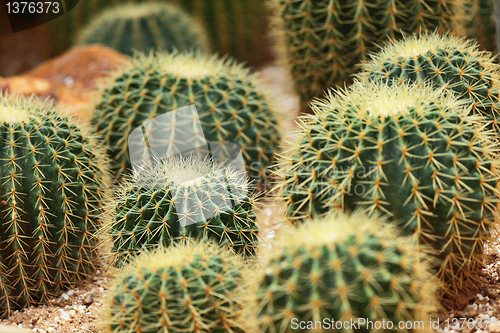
{"x":322,"y":41}
{"x":183,"y":198}
{"x":442,"y":61}
{"x":403,"y":151}
{"x":186,"y":288}
{"x":345,"y":268}
{"x":231,"y":105}
{"x":145,"y":27}
{"x":52,"y":179}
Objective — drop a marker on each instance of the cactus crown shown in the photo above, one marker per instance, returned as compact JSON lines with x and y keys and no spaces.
{"x":190,"y":287}
{"x":349,"y":263}
{"x":178,"y":199}
{"x":381,"y":100}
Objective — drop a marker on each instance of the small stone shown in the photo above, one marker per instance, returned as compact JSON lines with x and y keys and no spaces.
{"x":89,"y":299}
{"x":72,"y":313}
{"x":65,"y":296}
{"x":101,"y":289}
{"x":51,"y":329}
{"x":71,"y":292}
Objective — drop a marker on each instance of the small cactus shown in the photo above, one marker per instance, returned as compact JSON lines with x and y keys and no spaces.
{"x":442,"y":61}
{"x":230,"y":103}
{"x":185,"y":288}
{"x":145,"y":27}
{"x":406,"y":152}
{"x":323,"y":41}
{"x":183,"y":198}
{"x":53,"y":179}
{"x":347,"y":268}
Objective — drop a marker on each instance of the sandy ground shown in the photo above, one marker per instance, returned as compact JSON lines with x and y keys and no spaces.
{"x":78,"y":309}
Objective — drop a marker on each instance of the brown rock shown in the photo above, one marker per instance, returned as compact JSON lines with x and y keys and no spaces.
{"x":70,"y":79}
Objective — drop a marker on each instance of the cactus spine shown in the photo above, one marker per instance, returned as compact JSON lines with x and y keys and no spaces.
{"x":345,"y":268}
{"x":145,"y":27}
{"x":323,"y":41}
{"x":406,"y":152}
{"x":185,"y":288}
{"x":150,"y":208}
{"x":443,"y":62}
{"x":53,"y":179}
{"x":231,"y":105}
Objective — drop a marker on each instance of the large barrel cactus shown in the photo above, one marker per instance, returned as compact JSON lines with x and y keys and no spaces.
{"x":179,"y":199}
{"x":442,"y":61}
{"x":53,"y":178}
{"x":406,"y":152}
{"x":231,"y":105}
{"x":145,"y":27}
{"x":186,"y":288}
{"x":340,"y":269}
{"x":323,"y":41}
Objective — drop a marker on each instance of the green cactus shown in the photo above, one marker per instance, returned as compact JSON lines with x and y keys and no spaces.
{"x":235,"y":27}
{"x":481,"y":23}
{"x":346,"y":268}
{"x":145,"y":27}
{"x":231,"y":105}
{"x":406,"y":152}
{"x":186,"y":288}
{"x":442,"y":61}
{"x":53,"y":179}
{"x":323,"y":41}
{"x":182,"y":198}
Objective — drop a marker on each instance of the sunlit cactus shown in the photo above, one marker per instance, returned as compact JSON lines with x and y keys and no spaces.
{"x":232,"y":106}
{"x":346,"y":268}
{"x":185,"y":288}
{"x":53,"y":179}
{"x":406,"y":152}
{"x":442,"y":61}
{"x":183,"y":198}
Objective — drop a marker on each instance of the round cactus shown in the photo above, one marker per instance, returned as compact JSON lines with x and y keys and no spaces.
{"x":406,"y":152}
{"x":186,"y":288}
{"x":231,"y":106}
{"x":323,"y":41}
{"x":183,"y":198}
{"x":145,"y":27}
{"x":346,"y":268}
{"x":53,"y":179}
{"x":443,"y":62}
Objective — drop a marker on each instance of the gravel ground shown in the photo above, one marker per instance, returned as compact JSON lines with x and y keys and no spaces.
{"x":78,"y":309}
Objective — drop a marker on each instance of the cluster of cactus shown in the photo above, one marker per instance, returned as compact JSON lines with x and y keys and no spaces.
{"x":185,"y":288}
{"x":480,"y":22}
{"x":346,"y":268}
{"x":234,"y":27}
{"x":323,"y":41}
{"x":442,"y":61}
{"x":405,"y":151}
{"x":230,"y":104}
{"x":53,"y":179}
{"x":182,"y":198}
{"x":145,"y":27}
